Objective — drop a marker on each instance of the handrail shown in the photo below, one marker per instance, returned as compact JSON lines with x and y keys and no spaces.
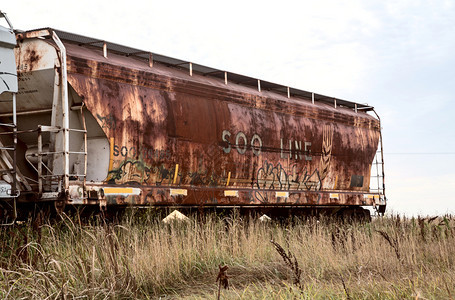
{"x":3,"y":15}
{"x":65,"y":106}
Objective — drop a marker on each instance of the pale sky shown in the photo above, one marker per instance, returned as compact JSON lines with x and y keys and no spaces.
{"x":398,"y":56}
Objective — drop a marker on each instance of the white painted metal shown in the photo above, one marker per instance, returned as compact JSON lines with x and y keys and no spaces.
{"x":59,"y":145}
{"x":9,"y":83}
{"x":85,"y":146}
{"x":97,"y":158}
{"x":8,"y":73}
{"x":5,"y":189}
{"x":14,"y":110}
{"x":65,"y":108}
{"x":105,"y":50}
{"x":40,"y":163}
{"x":35,"y":88}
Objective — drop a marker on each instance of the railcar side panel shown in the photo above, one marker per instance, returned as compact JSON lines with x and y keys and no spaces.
{"x":170,"y":131}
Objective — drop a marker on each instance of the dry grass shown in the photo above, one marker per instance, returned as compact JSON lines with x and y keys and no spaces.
{"x":390,"y":258}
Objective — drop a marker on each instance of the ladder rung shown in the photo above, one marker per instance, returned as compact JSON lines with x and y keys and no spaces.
{"x":7,"y":125}
{"x":73,"y":152}
{"x":45,"y":128}
{"x":75,"y":175}
{"x":78,"y":130}
{"x":49,"y":153}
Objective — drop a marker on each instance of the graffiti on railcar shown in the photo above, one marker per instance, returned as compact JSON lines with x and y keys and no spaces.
{"x":134,"y":171}
{"x":152,"y":166}
{"x":133,"y":166}
{"x":327,"y":141}
{"x":107,"y":121}
{"x":268,"y":176}
{"x":129,"y":171}
{"x":204,"y":178}
{"x":138,"y":172}
{"x":276,"y":177}
{"x":273,"y":177}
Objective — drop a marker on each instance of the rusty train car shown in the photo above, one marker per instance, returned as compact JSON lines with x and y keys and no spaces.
{"x":99,"y":124}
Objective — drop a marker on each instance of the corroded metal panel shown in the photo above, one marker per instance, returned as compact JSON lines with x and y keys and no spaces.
{"x":170,"y":130}
{"x":35,"y":61}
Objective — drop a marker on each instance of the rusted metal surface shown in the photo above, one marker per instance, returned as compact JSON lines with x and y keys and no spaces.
{"x":185,"y":139}
{"x":173,"y":130}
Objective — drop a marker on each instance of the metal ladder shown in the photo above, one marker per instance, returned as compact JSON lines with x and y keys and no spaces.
{"x":11,"y":180}
{"x":8,"y":165}
{"x":379,"y":179}
{"x":46,"y":177}
{"x":378,"y":165}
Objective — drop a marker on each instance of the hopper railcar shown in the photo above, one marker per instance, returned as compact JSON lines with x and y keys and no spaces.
{"x":96,"y":123}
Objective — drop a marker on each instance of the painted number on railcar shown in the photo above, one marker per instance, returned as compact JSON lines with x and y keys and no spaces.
{"x":242,"y":143}
{"x":147,"y":153}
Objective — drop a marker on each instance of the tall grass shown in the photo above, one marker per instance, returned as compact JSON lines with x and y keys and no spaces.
{"x":140,"y":257}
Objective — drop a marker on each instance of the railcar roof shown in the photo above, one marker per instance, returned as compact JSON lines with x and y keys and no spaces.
{"x":203,"y":70}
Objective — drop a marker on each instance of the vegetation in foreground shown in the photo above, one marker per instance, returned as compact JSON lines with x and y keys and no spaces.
{"x":141,"y":257}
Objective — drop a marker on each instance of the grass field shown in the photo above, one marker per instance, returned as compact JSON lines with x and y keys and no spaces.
{"x":140,"y":257}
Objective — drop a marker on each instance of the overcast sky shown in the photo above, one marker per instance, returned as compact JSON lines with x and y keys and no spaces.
{"x":398,"y":56}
